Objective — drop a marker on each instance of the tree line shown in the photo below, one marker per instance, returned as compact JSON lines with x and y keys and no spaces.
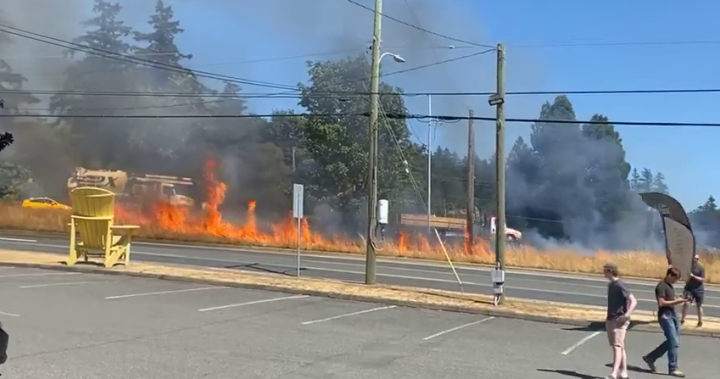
{"x":567,"y":181}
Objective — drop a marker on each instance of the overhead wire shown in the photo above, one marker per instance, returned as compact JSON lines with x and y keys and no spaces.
{"x":131,"y":59}
{"x":334,"y":94}
{"x":366,"y":114}
{"x":449,"y":38}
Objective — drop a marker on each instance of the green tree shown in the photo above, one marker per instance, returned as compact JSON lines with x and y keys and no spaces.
{"x":448,"y":183}
{"x":12,"y":81}
{"x":99,"y":142}
{"x":606,"y":169}
{"x":339,"y":145}
{"x":163,"y":143}
{"x":15,"y":181}
{"x":159,"y":46}
{"x":634,"y":180}
{"x":646,"y":180}
{"x":658,"y":183}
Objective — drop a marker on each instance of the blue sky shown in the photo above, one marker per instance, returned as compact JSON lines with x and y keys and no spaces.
{"x":226,"y":37}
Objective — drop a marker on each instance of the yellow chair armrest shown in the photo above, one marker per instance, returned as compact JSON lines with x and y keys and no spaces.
{"x":91,"y":218}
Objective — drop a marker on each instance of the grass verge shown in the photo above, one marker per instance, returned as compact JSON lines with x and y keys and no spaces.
{"x":641,"y":264}
{"x":403,"y":296}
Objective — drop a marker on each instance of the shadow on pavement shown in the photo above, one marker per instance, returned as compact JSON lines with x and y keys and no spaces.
{"x":569,"y":373}
{"x":634,"y":369}
{"x":597,"y":326}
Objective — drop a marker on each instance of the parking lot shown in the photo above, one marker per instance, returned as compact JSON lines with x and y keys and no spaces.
{"x":73,"y":325}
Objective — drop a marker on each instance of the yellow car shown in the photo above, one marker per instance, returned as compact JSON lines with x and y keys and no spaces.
{"x":44,"y":203}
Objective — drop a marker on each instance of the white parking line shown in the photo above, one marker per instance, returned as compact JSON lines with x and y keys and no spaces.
{"x":252,"y":303}
{"x":579,"y":343}
{"x":42,"y":274}
{"x":9,"y":314}
{"x":53,"y":285}
{"x":348,"y":315}
{"x":16,"y":239}
{"x":457,"y":328}
{"x":161,"y":292}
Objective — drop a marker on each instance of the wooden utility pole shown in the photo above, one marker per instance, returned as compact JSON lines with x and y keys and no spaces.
{"x":373,"y":148}
{"x":500,"y":162}
{"x":470,"y":230}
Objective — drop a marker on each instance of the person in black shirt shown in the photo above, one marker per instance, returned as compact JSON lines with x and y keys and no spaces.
{"x":620,"y":305}
{"x":695,"y":290}
{"x":668,"y":320}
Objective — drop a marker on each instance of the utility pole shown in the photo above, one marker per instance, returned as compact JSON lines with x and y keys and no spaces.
{"x":373,"y":149}
{"x":429,"y":167}
{"x":500,"y":162}
{"x":470,"y":230}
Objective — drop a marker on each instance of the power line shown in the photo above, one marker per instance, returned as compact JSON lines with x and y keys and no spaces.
{"x":617,"y":43}
{"x":367,"y":114}
{"x":420,"y":28}
{"x":293,"y":94}
{"x":130,"y":59}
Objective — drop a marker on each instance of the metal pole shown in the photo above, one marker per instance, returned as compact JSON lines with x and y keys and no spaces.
{"x":470,"y":213}
{"x":298,"y":247}
{"x":500,"y":163}
{"x":372,"y":161}
{"x":429,"y":166}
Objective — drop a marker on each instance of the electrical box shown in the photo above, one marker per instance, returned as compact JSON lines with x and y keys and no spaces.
{"x":383,"y":212}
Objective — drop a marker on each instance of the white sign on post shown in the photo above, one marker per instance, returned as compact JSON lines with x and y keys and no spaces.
{"x":298,"y":195}
{"x":298,"y":192}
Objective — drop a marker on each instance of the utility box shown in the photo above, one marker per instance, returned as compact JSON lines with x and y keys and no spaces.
{"x":383,"y":212}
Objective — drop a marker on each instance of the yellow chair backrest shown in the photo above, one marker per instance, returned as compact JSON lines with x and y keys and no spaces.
{"x":96,"y":207}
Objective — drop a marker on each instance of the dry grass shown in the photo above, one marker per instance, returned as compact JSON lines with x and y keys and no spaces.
{"x":642,"y":264}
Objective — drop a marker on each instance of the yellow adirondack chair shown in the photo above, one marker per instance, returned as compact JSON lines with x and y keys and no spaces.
{"x":93,"y":217}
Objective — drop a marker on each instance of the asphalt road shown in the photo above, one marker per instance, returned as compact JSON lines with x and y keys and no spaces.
{"x":75,"y":326}
{"x":566,"y":288}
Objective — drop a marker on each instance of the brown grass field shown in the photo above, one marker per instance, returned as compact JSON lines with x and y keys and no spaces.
{"x":641,"y":264}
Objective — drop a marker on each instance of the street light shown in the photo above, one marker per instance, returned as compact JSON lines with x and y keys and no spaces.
{"x":396,"y":57}
{"x":373,"y":158}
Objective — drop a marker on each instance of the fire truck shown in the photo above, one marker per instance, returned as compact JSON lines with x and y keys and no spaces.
{"x":135,"y":187}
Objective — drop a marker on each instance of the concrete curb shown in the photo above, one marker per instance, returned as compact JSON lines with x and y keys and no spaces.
{"x":591,"y":325}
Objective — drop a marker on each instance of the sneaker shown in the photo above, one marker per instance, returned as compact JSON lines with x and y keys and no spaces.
{"x":699,"y":324}
{"x":651,"y":364}
{"x":677,"y":374}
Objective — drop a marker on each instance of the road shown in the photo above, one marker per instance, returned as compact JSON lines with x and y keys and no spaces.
{"x":74,"y":325}
{"x":543,"y":286}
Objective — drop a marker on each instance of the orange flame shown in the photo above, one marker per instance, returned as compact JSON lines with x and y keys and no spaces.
{"x":168,"y":217}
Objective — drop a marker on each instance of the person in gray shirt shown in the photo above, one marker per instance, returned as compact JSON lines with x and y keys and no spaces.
{"x":620,"y":305}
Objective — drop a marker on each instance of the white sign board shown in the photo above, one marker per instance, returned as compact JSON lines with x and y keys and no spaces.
{"x":298,"y":195}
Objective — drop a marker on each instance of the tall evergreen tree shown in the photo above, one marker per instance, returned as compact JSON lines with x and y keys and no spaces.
{"x":159,"y":45}
{"x":634,"y":180}
{"x":11,"y":80}
{"x":646,"y":180}
{"x":97,"y":141}
{"x":658,"y":183}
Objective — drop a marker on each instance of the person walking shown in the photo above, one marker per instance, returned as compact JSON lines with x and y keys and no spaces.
{"x":669,"y":323}
{"x":620,"y":305}
{"x":695,"y":291}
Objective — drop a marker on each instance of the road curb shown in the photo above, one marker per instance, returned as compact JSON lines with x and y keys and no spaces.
{"x":590,"y":325}
{"x":287,"y":250}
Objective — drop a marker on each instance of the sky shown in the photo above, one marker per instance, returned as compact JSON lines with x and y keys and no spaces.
{"x":553,"y":45}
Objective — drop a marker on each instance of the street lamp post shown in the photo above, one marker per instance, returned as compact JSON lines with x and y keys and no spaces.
{"x":370,"y":254}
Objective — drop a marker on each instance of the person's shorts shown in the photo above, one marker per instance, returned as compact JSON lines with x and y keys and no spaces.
{"x":616,"y":332}
{"x":696,"y":296}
